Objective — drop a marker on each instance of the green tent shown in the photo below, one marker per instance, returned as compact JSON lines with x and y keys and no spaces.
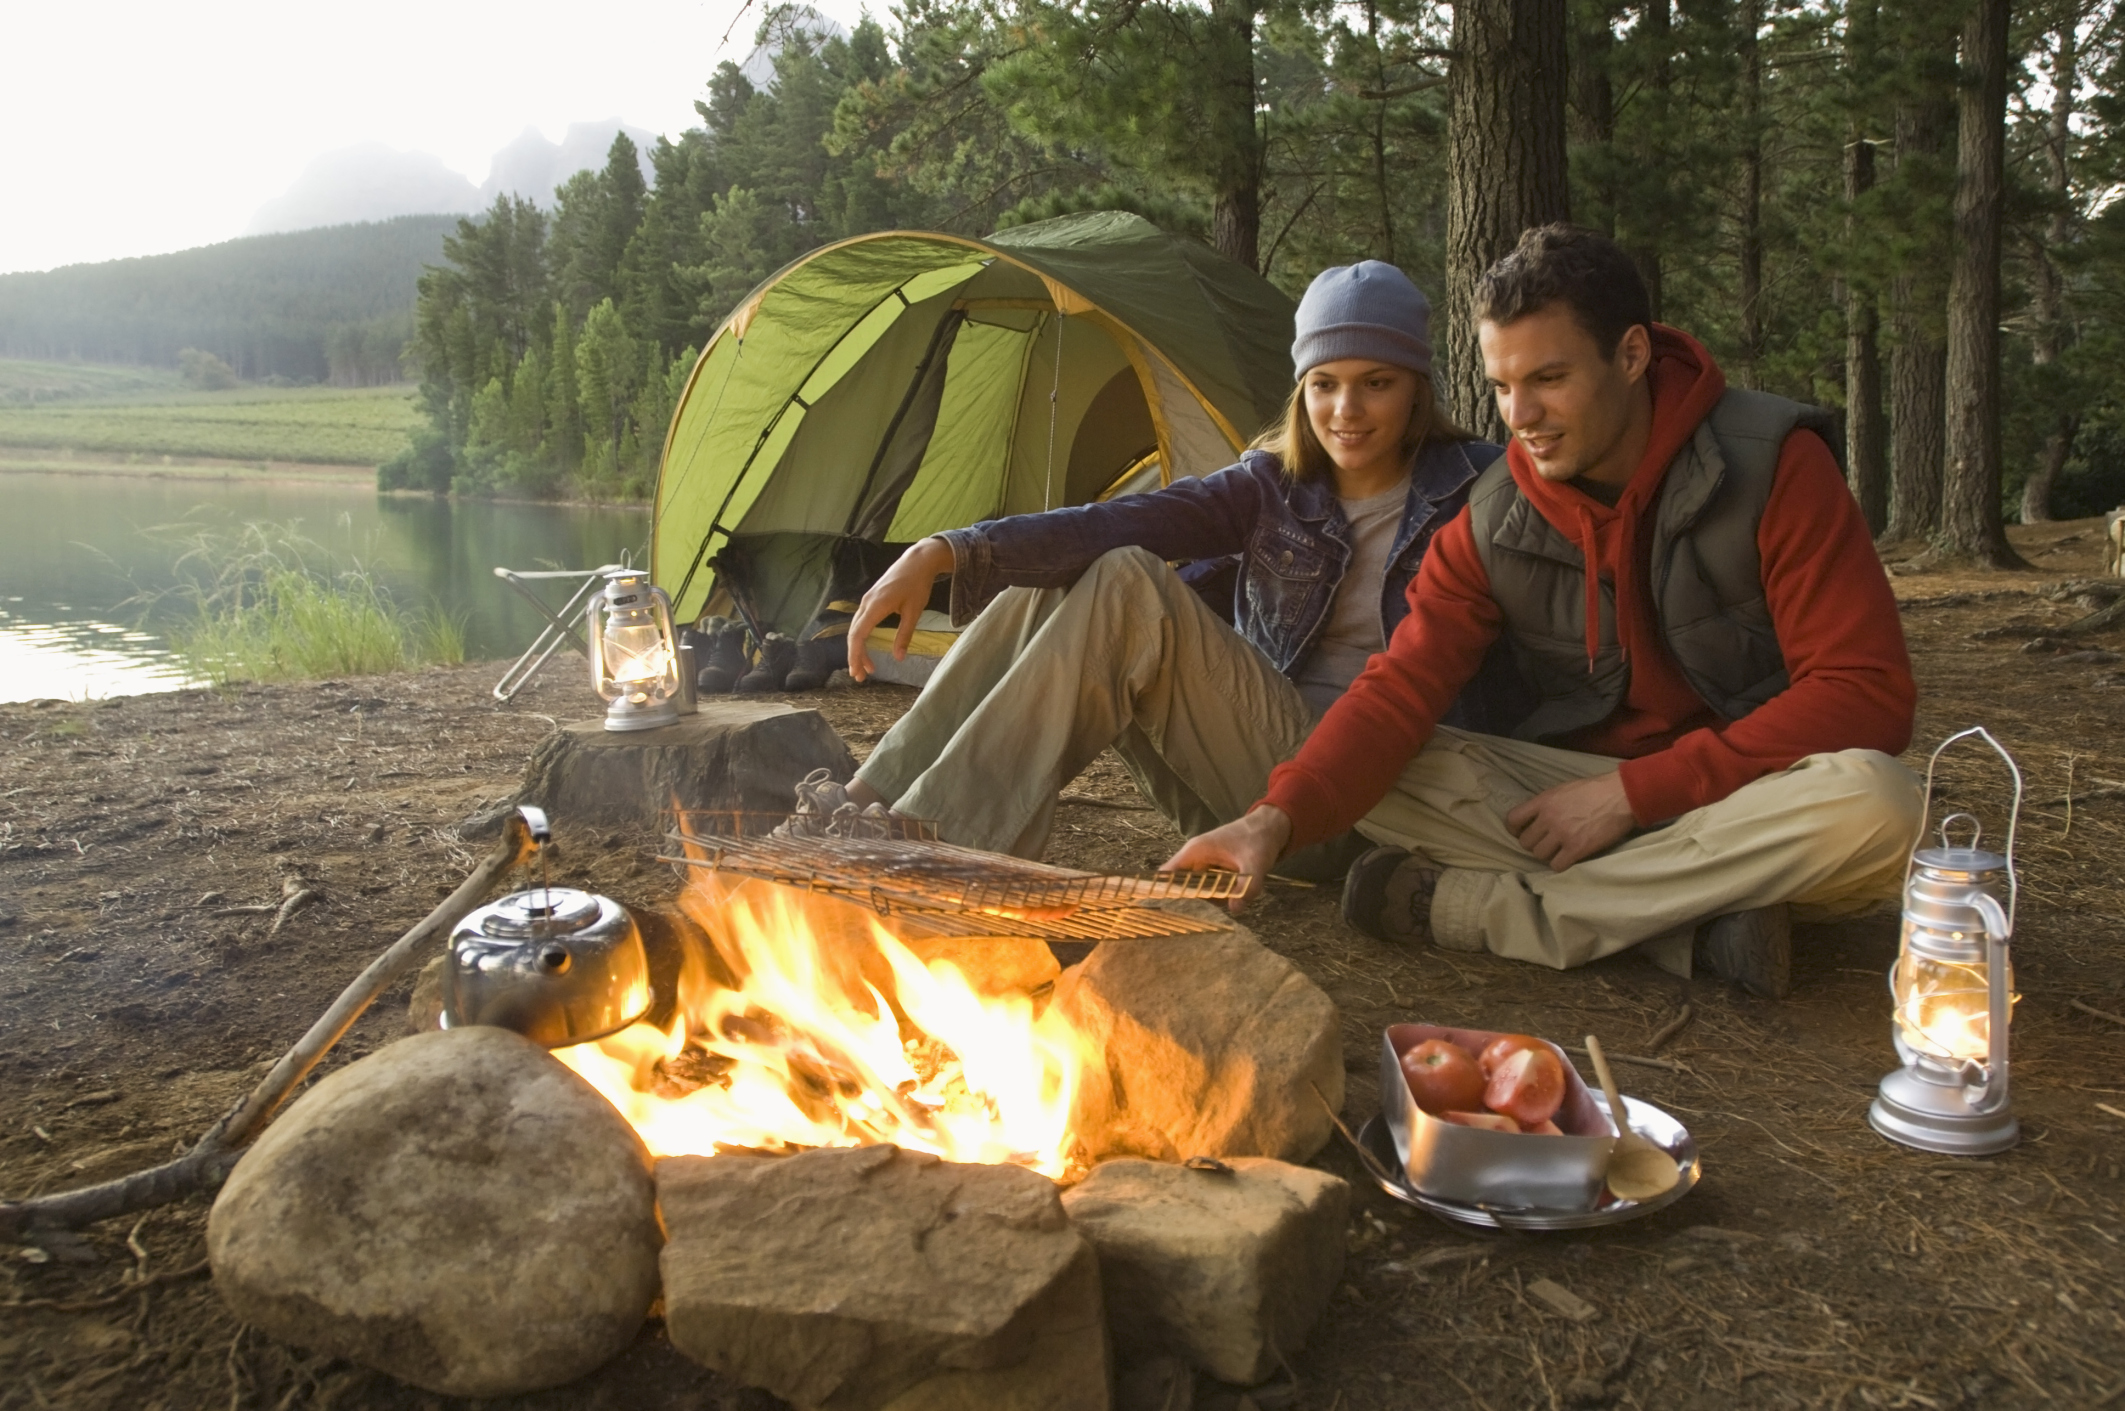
{"x":893,"y":385}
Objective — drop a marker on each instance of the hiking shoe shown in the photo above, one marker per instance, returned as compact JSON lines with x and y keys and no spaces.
{"x":724,"y":661}
{"x":822,"y":649}
{"x":777,"y":655}
{"x":1387,"y":896}
{"x":1753,"y":948}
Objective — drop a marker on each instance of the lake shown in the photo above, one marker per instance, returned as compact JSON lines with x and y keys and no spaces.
{"x":83,"y":558}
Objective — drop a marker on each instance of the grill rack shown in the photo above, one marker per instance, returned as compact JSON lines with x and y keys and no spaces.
{"x":949,"y":889}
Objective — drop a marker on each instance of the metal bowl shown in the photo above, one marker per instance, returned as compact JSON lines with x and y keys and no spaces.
{"x":558,"y":965}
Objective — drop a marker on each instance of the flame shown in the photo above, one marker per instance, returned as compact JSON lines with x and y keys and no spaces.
{"x":1944,"y":1008}
{"x":807,"y":1049}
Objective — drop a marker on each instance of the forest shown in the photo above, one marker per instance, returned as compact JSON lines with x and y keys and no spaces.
{"x":333,"y":305}
{"x":1900,"y":209}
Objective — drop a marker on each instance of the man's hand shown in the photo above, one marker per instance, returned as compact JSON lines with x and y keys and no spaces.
{"x":1249,"y":845}
{"x":904,"y":589}
{"x":1574,"y":821}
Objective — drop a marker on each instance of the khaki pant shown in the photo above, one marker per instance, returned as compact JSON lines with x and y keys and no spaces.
{"x":1830,"y":835}
{"x":1046,"y":678}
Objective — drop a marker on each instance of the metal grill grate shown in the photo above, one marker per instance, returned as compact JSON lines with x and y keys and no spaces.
{"x":955,"y":890}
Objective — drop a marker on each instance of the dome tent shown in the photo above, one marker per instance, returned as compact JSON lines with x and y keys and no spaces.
{"x":890,"y":386}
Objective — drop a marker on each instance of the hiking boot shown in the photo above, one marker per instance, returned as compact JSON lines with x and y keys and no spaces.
{"x":822,"y":649}
{"x":1753,"y":948}
{"x":1387,"y":896}
{"x":777,"y":655}
{"x":724,"y":661}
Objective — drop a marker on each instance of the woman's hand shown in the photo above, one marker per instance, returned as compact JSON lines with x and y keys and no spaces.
{"x":904,"y":589}
{"x":1249,"y":845}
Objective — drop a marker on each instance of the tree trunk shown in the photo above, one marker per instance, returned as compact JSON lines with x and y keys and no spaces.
{"x":1970,"y":528}
{"x":1384,"y":247}
{"x":1506,"y":152}
{"x":1593,"y":113}
{"x":1918,"y":366}
{"x":1236,"y":209}
{"x":1751,"y":213}
{"x":1657,"y":37}
{"x":2049,"y":293}
{"x":1865,"y":462}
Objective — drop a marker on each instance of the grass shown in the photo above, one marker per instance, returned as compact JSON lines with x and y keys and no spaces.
{"x":269,"y":605}
{"x":321,"y":425}
{"x":24,"y":383}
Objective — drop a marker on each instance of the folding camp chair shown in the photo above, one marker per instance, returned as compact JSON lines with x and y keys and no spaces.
{"x":560,"y":626}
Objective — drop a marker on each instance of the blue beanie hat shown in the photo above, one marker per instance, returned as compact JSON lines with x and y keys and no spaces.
{"x":1366,"y":310}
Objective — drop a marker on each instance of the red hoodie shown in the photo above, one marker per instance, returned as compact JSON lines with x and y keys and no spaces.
{"x":1830,"y":603}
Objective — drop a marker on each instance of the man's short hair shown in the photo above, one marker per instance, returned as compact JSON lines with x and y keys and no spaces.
{"x":1565,"y":264}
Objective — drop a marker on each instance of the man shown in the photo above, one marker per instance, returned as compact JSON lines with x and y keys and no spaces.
{"x":1720,"y":670}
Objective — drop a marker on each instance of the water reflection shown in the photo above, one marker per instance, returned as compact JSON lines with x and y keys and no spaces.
{"x":79,"y":574}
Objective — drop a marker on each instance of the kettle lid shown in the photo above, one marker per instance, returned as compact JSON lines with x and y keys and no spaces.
{"x":539,"y":913}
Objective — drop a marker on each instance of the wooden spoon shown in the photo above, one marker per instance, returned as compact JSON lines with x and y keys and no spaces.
{"x":1638,"y":1170}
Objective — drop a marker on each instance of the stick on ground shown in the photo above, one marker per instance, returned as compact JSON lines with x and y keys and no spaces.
{"x":213,"y":1155}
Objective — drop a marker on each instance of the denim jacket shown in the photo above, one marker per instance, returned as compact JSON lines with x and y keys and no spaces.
{"x":1290,"y":541}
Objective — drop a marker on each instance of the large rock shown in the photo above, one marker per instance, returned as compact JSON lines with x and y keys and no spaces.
{"x":862,"y":1278}
{"x":732,"y":754}
{"x":1229,"y":1269}
{"x":1214,"y":1044}
{"x":458,"y":1210}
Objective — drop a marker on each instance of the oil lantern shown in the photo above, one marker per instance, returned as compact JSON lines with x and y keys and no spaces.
{"x":1953,"y":987}
{"x":634,"y":654}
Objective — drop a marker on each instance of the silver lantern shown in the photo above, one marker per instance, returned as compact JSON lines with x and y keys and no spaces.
{"x":634,"y":653}
{"x":1953,"y":987}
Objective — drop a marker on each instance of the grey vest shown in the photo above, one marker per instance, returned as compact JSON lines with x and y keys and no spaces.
{"x":1707,"y":578}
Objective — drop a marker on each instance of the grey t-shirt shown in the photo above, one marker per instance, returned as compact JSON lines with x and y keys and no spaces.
{"x":1352,"y":632}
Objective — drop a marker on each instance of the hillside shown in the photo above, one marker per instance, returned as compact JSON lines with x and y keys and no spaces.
{"x":321,"y":425}
{"x":330,"y":305}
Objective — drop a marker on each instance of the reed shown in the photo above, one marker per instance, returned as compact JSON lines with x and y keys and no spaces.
{"x":268,"y":605}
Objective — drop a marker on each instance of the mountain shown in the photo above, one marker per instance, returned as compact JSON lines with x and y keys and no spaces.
{"x":534,"y":166}
{"x":334,"y":304}
{"x":369,"y":182}
{"x":784,"y":24}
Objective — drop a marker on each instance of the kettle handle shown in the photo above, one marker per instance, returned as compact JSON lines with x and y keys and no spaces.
{"x":2014,"y":819}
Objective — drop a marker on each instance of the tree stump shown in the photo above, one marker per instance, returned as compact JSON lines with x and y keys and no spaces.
{"x":731,"y":755}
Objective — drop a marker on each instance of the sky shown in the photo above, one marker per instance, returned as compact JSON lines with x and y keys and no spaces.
{"x":132,"y":128}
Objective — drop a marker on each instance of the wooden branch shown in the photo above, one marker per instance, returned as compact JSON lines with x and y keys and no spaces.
{"x":213,"y":1155}
{"x":2098,"y":1013}
{"x":1090,"y":801}
{"x":2101,"y":620}
{"x":1641,"y":1060}
{"x":1669,"y":1030}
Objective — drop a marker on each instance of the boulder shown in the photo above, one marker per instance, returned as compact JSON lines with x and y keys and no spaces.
{"x":458,"y":1210}
{"x":1214,"y":1044}
{"x":746,"y":755}
{"x":1229,"y":1269}
{"x":865,"y":1278}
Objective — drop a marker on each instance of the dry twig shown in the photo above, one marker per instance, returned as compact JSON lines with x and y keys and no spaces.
{"x":2098,"y":1013}
{"x":211,"y":1157}
{"x":1670,"y":1029}
{"x":119,"y":1295}
{"x":1672,"y":1065}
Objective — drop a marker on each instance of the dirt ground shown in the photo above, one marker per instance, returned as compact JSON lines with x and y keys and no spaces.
{"x":1816,"y":1265}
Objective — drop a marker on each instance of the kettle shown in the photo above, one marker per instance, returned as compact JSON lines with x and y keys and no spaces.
{"x":556,"y":964}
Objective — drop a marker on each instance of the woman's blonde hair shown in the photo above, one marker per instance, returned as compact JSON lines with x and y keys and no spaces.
{"x":1290,"y":437}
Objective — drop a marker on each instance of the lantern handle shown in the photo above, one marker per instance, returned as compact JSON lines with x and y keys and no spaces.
{"x":2014,"y":817}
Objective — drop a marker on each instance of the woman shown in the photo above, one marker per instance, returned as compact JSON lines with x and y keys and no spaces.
{"x":1091,"y":640}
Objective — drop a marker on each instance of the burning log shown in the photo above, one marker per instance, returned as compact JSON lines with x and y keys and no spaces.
{"x":211,"y":1157}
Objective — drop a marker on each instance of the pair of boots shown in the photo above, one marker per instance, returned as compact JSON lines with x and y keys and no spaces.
{"x":719,"y":643}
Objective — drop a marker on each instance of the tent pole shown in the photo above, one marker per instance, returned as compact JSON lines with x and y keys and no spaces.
{"x":1047,"y":489}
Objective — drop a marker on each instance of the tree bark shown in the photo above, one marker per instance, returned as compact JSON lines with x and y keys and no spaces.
{"x":1751,"y":212}
{"x":1506,"y":151}
{"x":1236,"y":209}
{"x":1971,"y":529}
{"x":1918,"y":365}
{"x":2048,"y":295}
{"x":1865,"y":461}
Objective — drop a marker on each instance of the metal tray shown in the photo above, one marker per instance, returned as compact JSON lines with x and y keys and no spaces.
{"x":1378,"y":1144}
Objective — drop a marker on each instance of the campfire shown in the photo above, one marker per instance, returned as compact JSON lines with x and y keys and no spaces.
{"x":823,"y":1029}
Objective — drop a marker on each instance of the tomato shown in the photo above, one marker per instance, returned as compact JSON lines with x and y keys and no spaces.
{"x":1503,"y":1047}
{"x":1442,"y":1076}
{"x":1546,"y":1129}
{"x":1527,"y":1086}
{"x":1489,"y":1121}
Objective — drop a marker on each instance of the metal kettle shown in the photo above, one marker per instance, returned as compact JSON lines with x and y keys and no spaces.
{"x":558,"y":965}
